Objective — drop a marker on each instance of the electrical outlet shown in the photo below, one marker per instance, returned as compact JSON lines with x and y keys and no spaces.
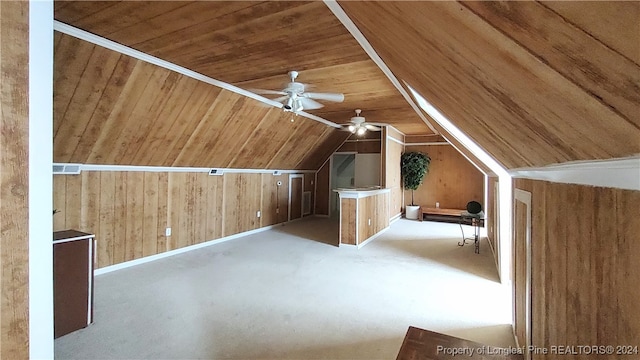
{"x":369,"y":222}
{"x":437,"y":205}
{"x":167,"y":232}
{"x":277,"y":211}
{"x":258,"y":213}
{"x":311,"y":182}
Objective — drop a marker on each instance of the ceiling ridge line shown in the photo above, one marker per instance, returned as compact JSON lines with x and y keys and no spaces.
{"x":122,"y":49}
{"x":342,"y":16}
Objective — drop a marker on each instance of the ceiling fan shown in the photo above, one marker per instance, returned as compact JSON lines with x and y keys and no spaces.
{"x":295,"y":99}
{"x":359,"y":126}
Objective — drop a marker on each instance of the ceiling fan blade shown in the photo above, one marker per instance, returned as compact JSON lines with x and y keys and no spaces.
{"x":309,"y":104}
{"x":281,"y":99}
{"x":268,"y":92}
{"x":372,"y":127}
{"x":325,"y":96}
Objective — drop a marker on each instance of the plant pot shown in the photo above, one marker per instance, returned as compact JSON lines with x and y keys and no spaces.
{"x":412,"y":212}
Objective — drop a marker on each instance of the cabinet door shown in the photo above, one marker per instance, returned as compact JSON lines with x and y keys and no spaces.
{"x":71,"y":279}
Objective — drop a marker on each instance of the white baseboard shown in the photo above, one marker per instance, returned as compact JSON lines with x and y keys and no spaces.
{"x":372,"y":237}
{"x":146,"y":259}
{"x":395,"y":218}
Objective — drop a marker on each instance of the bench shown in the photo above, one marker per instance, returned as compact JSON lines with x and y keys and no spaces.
{"x":438,"y":214}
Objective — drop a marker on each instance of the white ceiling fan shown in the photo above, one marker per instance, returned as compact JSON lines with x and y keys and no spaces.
{"x":295,"y":99}
{"x":359,"y":126}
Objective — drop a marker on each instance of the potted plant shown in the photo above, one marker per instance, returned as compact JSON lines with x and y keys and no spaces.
{"x":413,"y":167}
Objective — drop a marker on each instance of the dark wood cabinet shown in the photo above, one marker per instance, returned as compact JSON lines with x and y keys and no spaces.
{"x":73,"y":262}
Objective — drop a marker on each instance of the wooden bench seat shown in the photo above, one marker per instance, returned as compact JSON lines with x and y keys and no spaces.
{"x":438,"y":214}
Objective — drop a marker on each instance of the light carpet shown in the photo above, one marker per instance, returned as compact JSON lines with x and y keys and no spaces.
{"x":286,"y":293}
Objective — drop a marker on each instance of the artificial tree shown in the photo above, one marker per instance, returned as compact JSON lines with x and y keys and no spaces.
{"x":413,"y":167}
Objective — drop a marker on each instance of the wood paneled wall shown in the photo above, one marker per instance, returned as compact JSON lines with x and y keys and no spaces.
{"x":14,"y":179}
{"x":360,"y":147}
{"x":323,"y":191}
{"x":393,"y":179}
{"x":129,"y":211}
{"x":368,"y":143}
{"x":112,"y":109}
{"x":585,"y":270}
{"x":452,"y":180}
{"x":373,"y":216}
{"x":348,"y":220}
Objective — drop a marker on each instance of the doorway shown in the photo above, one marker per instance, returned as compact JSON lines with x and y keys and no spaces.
{"x":343,"y":173}
{"x":295,"y":196}
{"x":522,"y":269}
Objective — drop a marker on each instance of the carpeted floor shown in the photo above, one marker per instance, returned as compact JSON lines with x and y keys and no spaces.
{"x":287,"y":293}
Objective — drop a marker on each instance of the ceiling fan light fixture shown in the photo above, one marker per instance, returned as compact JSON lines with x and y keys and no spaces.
{"x":298,"y":106}
{"x":352,"y":128}
{"x":361,"y":130}
{"x":288,"y":105}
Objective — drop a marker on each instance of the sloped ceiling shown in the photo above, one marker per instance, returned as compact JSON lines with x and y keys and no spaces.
{"x":532,"y":83}
{"x":253,"y":45}
{"x":112,"y":109}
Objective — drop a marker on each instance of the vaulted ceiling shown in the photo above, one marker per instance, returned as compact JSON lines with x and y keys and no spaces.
{"x":532,"y":83}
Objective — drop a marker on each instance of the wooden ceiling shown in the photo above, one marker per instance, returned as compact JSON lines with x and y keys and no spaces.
{"x":253,"y":45}
{"x":112,"y":109}
{"x":532,"y":83}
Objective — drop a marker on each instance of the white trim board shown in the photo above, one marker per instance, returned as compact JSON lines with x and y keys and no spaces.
{"x":427,"y":143}
{"x":122,"y":49}
{"x":39,"y":269}
{"x":364,"y":43}
{"x":372,"y":237}
{"x":621,"y":173}
{"x":96,"y":167}
{"x":165,"y":254}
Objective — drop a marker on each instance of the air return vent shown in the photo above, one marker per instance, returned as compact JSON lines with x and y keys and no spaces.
{"x":215,"y":172}
{"x":66,"y":169}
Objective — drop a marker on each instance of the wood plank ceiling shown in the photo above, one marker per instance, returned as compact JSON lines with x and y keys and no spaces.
{"x":253,"y":45}
{"x":112,"y":109}
{"x":533,"y":83}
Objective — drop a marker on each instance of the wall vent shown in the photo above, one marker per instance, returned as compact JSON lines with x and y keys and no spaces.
{"x":66,"y":169}
{"x":215,"y":172}
{"x":277,"y":172}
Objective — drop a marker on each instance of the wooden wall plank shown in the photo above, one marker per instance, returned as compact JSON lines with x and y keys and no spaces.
{"x":452,"y":180}
{"x":14,"y":179}
{"x":120,"y":212}
{"x":348,"y":221}
{"x":584,"y":275}
{"x":129,"y":211}
{"x":322,"y":190}
{"x":107,"y":235}
{"x":59,"y":201}
{"x":214,"y":207}
{"x":135,"y":215}
{"x":151,"y":211}
{"x":164,"y":211}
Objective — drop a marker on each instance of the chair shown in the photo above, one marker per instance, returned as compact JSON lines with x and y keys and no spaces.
{"x":474,"y":216}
